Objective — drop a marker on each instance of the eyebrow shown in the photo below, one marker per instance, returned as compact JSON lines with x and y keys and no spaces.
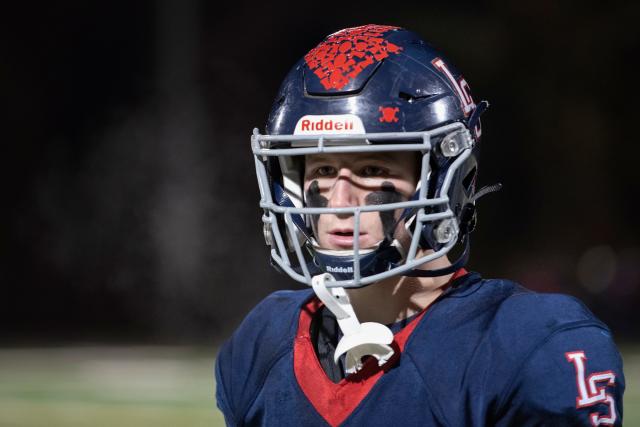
{"x":313,"y":158}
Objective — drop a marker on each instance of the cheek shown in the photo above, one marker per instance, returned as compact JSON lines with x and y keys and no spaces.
{"x":387,"y":194}
{"x":372,"y":224}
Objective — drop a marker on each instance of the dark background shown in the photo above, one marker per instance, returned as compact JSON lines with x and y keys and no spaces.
{"x":130,"y":201}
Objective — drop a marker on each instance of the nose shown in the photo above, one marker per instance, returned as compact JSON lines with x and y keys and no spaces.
{"x":343,"y":192}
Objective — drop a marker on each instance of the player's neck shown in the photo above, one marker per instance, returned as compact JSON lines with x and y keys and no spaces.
{"x":398,"y":297}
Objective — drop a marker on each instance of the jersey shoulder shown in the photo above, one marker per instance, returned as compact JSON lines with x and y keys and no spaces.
{"x":525,"y":321}
{"x":478,"y":307}
{"x":571,"y":376}
{"x":513,"y":303}
{"x":559,"y":362}
{"x":525,"y":316}
{"x":497,"y":329}
{"x":244,"y":360}
{"x":499,"y":316}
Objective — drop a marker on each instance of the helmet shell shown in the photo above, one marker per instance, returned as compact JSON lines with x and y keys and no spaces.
{"x":393,"y":82}
{"x":384,"y":75}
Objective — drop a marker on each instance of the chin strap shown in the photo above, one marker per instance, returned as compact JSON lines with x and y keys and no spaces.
{"x":460,"y":262}
{"x":359,"y":339}
{"x":486,"y":190}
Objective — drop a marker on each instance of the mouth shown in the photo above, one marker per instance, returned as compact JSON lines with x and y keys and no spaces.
{"x":343,"y":238}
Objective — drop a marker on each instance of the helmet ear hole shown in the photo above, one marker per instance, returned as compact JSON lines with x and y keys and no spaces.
{"x":439,"y":166}
{"x":469,"y":181}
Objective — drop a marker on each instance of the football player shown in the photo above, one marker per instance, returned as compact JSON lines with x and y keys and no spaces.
{"x":367,"y":175}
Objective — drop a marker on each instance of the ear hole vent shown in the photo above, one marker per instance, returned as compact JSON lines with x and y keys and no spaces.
{"x":413,"y":98}
{"x":469,"y":181}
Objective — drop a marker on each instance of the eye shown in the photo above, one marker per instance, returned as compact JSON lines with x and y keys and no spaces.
{"x":372,"y":170}
{"x":324,"y":171}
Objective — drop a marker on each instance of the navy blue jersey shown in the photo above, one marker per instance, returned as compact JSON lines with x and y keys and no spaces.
{"x":486,"y":352}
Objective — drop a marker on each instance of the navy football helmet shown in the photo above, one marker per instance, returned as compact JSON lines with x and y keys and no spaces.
{"x":371,"y":89}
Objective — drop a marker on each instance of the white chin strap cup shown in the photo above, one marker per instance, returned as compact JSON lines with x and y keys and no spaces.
{"x":360,"y":339}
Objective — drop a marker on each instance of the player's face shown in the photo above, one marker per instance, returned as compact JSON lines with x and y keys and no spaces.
{"x":359,"y":179}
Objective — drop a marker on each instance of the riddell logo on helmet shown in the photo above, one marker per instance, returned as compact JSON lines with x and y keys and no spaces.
{"x":329,"y":124}
{"x":308,"y":125}
{"x":339,"y":269}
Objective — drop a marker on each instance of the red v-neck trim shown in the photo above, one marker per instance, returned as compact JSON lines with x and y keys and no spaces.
{"x":335,"y":402}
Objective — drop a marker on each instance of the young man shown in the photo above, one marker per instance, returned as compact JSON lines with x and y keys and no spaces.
{"x":368,"y":181}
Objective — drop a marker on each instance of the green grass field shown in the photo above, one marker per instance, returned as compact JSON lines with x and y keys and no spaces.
{"x":106,"y":386}
{"x":142,"y":386}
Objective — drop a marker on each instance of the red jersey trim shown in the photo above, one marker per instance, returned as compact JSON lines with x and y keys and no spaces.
{"x":335,"y":402}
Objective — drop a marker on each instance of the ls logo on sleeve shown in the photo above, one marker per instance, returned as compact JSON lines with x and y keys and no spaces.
{"x":592,"y":389}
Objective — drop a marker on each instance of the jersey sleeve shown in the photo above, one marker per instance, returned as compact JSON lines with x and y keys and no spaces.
{"x":574,"y":378}
{"x":221,"y":394}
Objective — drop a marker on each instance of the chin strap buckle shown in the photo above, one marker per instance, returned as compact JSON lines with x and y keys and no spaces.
{"x":359,"y":339}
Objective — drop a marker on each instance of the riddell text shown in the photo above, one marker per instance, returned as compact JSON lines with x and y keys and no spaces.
{"x":308,"y":125}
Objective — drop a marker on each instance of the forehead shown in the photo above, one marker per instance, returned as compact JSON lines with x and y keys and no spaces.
{"x":346,"y":159}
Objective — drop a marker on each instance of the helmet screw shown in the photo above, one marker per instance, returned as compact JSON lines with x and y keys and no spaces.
{"x":446,"y":231}
{"x":268,"y":235}
{"x":450,"y":146}
{"x":455,"y":142}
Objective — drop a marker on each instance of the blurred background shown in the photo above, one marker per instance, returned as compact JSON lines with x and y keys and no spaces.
{"x":130,"y":239}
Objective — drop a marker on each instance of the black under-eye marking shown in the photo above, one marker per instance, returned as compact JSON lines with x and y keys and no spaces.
{"x":386,"y":194}
{"x":315,"y":200}
{"x":313,"y":197}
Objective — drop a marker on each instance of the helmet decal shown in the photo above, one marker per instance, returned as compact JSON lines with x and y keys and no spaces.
{"x":343,"y":55}
{"x":388,"y":114}
{"x":461,"y":86}
{"x":329,"y":124}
